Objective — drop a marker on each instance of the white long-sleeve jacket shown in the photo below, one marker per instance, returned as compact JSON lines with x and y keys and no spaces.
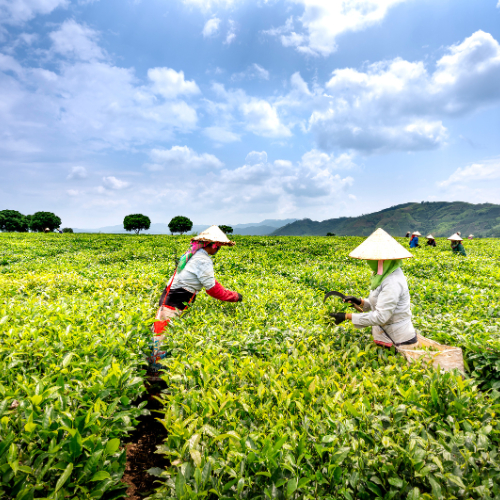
{"x":198,"y":273}
{"x":389,"y":306}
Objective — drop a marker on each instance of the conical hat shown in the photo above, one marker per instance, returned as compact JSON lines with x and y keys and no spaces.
{"x":215,"y":235}
{"x":455,"y":237}
{"x":430,"y":237}
{"x":380,"y":246}
{"x":416,"y":233}
{"x":471,"y":236}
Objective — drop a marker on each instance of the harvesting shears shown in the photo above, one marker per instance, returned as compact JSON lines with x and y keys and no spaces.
{"x":342,"y":296}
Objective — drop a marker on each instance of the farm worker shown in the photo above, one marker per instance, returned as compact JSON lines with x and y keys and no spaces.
{"x":407,"y":234}
{"x":471,"y":236}
{"x":195,"y":271}
{"x":456,"y":244}
{"x":387,"y":308}
{"x":431,"y":242}
{"x":414,"y":239}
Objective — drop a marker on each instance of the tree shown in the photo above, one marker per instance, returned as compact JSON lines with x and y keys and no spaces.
{"x":40,"y":221}
{"x":67,"y":230}
{"x":226,"y":229}
{"x":136,"y":222}
{"x":180,"y":224}
{"x":12,"y":220}
{"x":330,"y":234}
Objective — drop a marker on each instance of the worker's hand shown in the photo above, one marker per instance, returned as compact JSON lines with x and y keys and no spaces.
{"x":240,"y":298}
{"x":338,"y":317}
{"x":352,"y":300}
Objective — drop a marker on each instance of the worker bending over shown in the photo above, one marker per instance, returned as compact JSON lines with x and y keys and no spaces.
{"x":456,"y":244}
{"x":387,"y":308}
{"x":194,"y":272}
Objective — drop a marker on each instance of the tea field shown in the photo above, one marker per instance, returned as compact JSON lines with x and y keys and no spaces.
{"x":264,"y":398}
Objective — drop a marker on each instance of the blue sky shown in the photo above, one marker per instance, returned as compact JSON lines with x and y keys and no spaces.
{"x":233,"y":111}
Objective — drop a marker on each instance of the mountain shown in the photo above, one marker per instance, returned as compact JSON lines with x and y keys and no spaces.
{"x":439,"y":218}
{"x":254,"y":228}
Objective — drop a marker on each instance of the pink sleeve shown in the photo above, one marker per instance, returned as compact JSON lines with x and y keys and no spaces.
{"x":219,"y":292}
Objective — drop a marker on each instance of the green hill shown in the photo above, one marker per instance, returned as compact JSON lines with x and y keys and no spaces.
{"x":439,"y":218}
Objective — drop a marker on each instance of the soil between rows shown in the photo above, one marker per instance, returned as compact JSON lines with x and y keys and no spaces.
{"x":142,"y":444}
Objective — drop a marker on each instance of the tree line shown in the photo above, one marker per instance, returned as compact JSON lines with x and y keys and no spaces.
{"x":12,"y":220}
{"x":178,"y":224}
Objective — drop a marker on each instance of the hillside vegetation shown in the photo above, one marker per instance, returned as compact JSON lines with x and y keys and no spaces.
{"x":439,"y":218}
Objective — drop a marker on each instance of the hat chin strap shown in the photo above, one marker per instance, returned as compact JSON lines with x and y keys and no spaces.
{"x":380,"y":269}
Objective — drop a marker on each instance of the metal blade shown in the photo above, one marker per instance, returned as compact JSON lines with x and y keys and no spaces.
{"x":334,"y":294}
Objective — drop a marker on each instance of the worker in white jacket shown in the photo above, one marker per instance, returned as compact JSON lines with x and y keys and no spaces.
{"x":387,"y":308}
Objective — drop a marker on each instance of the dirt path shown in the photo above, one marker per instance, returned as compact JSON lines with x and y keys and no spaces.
{"x":141,"y":449}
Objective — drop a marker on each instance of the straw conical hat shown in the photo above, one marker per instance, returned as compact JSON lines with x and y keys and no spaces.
{"x":430,"y":237}
{"x":471,"y":236}
{"x":455,"y":237}
{"x":416,"y":233}
{"x":380,"y":246}
{"x":215,"y":235}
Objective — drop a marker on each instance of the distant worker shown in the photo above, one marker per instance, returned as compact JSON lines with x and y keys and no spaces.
{"x":414,"y":239}
{"x":387,"y":308}
{"x":456,"y":244}
{"x":46,"y":230}
{"x":431,"y":242}
{"x":407,"y":234}
{"x":471,"y":236}
{"x":195,"y":271}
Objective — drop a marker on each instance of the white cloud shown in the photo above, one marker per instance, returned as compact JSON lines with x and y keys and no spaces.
{"x":112,"y":182}
{"x":221,"y":134}
{"x":399,"y":105}
{"x":180,"y":158}
{"x":252,"y":72}
{"x":206,"y":5}
{"x":20,"y":11}
{"x":73,"y":192}
{"x":254,"y":157}
{"x":211,"y":27}
{"x":319,"y":160}
{"x":231,"y":32}
{"x":170,"y":83}
{"x":262,"y":119}
{"x":485,"y":171}
{"x":76,"y":40}
{"x":498,"y":4}
{"x":77,"y":173}
{"x":324,"y":20}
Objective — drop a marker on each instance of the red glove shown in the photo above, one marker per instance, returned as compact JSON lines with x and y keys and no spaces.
{"x":219,"y":292}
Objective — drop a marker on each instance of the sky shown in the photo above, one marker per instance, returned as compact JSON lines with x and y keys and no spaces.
{"x":235,"y":111}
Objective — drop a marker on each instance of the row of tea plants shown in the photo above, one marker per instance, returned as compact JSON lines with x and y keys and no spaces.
{"x":265,"y":398}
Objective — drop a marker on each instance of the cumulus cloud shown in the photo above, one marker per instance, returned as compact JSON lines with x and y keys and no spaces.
{"x":254,"y":157}
{"x":181,"y":158}
{"x":20,"y":11}
{"x":324,"y":20}
{"x":76,"y":40}
{"x":259,"y":116}
{"x":399,"y":105}
{"x":170,"y":83}
{"x":262,"y":119}
{"x":88,"y":101}
{"x":111,"y":182}
{"x":211,"y":27}
{"x":77,"y":173}
{"x":484,"y":171}
{"x":210,"y":4}
{"x":221,"y":134}
{"x":254,"y":71}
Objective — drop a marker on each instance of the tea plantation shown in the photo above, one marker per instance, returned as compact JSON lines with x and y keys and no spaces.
{"x":265,"y":398}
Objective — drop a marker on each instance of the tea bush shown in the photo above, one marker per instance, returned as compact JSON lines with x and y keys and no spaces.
{"x":265,"y":398}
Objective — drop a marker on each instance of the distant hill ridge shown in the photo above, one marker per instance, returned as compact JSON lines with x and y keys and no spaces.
{"x":439,"y":218}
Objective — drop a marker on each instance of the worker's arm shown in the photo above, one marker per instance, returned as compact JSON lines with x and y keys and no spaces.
{"x":221,"y":293}
{"x":386,"y":304}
